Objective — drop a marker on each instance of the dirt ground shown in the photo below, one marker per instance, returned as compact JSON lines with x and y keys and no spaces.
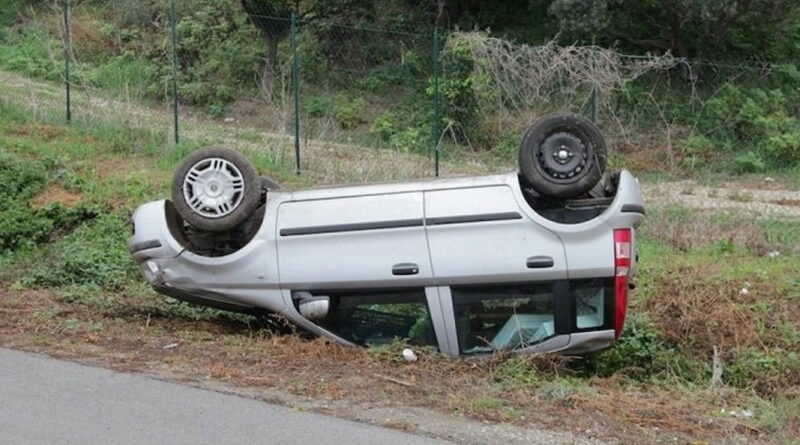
{"x":763,"y":198}
{"x":455,"y":399}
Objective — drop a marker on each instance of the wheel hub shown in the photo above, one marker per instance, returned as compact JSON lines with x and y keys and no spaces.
{"x":562,"y":156}
{"x":213,"y":187}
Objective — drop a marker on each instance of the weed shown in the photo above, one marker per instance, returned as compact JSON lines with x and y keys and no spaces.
{"x":94,"y":254}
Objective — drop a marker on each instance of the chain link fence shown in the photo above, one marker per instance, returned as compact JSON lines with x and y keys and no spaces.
{"x":306,"y":88}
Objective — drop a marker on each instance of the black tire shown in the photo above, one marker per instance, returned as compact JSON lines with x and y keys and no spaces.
{"x":563,"y":155}
{"x":239,"y":196}
{"x":269,"y":185}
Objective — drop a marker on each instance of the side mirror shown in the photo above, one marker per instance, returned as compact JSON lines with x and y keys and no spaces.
{"x":315,"y":308}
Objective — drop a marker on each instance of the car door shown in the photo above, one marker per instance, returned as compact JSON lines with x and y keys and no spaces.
{"x":480,"y":235}
{"x":498,"y":273}
{"x":355,"y":242}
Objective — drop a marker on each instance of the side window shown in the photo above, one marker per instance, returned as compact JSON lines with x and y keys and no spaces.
{"x":593,"y":302}
{"x":503,"y":317}
{"x":375,"y":318}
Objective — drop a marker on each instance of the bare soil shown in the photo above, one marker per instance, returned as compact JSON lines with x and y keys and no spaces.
{"x":747,"y":198}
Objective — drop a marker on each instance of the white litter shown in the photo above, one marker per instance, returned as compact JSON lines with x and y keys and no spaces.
{"x":409,"y":355}
{"x":744,"y":291}
{"x":774,"y":254}
{"x":229,"y":120}
{"x":170,"y":346}
{"x":740,"y":413}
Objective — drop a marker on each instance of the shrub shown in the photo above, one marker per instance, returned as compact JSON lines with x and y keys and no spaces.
{"x":457,"y":90}
{"x":759,"y":122}
{"x":347,"y":111}
{"x":641,"y":354}
{"x":219,"y":53}
{"x":409,"y":140}
{"x":766,"y":372}
{"x":28,"y":51}
{"x":749,"y":162}
{"x":93,"y":254}
{"x":384,"y":126}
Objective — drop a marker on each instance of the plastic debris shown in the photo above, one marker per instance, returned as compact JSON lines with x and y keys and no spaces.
{"x":409,"y":355}
{"x":774,"y":254}
{"x":739,"y":413}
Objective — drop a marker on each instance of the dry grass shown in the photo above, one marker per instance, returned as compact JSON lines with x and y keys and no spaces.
{"x":131,"y":333}
{"x":56,"y":194}
{"x":687,"y":229}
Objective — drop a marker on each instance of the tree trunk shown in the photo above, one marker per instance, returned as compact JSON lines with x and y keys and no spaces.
{"x":270,"y":66}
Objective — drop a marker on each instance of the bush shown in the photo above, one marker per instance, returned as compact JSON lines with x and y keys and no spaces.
{"x":759,"y":123}
{"x":28,"y":51}
{"x":316,"y":106}
{"x":748,"y":162}
{"x":409,"y":140}
{"x":766,"y":372}
{"x":384,"y":126}
{"x":219,"y":53}
{"x":22,"y":226}
{"x":347,"y":111}
{"x":93,"y":254}
{"x":641,"y":354}
{"x":457,"y":90}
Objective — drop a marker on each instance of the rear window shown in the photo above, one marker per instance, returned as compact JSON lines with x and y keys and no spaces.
{"x":503,"y":317}
{"x":594,"y":301}
{"x":497,"y":317}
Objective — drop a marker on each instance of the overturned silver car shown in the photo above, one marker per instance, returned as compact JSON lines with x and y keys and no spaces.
{"x":536,"y":260}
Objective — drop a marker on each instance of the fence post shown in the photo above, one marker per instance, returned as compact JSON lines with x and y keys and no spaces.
{"x":435,"y":125}
{"x":67,"y":51}
{"x":296,"y":92}
{"x":174,"y":38}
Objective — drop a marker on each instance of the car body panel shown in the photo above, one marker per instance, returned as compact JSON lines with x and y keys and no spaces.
{"x":352,"y":242}
{"x":480,"y":235}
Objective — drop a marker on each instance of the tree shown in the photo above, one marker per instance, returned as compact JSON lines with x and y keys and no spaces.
{"x":273,"y":19}
{"x":686,"y":28}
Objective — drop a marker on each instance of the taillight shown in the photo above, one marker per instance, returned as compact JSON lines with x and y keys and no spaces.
{"x":622,"y":265}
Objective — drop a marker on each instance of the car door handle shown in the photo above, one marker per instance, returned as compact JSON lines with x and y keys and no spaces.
{"x":539,"y":262}
{"x":405,"y":269}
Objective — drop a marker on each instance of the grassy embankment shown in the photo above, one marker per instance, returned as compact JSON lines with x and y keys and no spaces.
{"x":68,"y":288}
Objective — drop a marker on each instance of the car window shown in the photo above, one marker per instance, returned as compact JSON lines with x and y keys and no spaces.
{"x":503,"y":317}
{"x":375,"y":318}
{"x":593,"y":301}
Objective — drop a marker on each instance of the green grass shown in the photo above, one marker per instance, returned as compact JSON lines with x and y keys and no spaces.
{"x":79,"y":252}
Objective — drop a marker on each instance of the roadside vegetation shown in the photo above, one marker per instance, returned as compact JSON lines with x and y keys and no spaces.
{"x":688,"y":101}
{"x":707,"y":280}
{"x":717,"y":289}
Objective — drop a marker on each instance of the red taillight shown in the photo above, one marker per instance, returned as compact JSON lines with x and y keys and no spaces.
{"x":622,"y":265}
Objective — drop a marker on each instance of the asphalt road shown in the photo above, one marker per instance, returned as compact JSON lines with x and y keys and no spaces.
{"x":47,"y":401}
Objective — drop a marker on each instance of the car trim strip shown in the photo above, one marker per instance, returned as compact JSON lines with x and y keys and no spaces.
{"x":633,"y":208}
{"x":483,"y":217}
{"x":144,"y":245}
{"x":399,"y":223}
{"x":315,"y":230}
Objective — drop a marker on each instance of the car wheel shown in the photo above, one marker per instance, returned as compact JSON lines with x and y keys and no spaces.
{"x":562,"y":155}
{"x":216,"y":189}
